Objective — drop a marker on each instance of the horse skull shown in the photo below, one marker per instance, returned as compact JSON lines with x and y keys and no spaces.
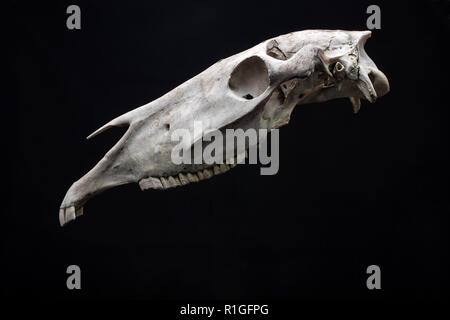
{"x":257,"y":88}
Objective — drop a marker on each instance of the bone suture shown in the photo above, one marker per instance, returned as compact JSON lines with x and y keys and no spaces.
{"x":257,"y":88}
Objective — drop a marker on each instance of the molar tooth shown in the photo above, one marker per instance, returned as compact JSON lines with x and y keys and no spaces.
{"x":164,"y":183}
{"x":200,"y":175}
{"x":217,"y":170}
{"x":183,"y":179}
{"x":157,"y":183}
{"x":356,"y":103}
{"x":150,"y":183}
{"x":208,"y":173}
{"x":192,"y":177}
{"x":224,"y":167}
{"x":173,"y":181}
{"x":230,"y":161}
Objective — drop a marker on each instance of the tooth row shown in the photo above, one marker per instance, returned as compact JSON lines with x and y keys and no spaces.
{"x":183,"y":178}
{"x":68,"y":214}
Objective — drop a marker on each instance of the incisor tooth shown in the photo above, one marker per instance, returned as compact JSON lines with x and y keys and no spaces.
{"x":70,"y":214}
{"x":61,"y":217}
{"x":356,"y":103}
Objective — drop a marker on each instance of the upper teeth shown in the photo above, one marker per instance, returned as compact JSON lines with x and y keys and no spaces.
{"x":182,"y":178}
{"x":188,"y":177}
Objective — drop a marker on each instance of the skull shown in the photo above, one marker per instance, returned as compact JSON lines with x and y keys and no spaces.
{"x":257,"y":88}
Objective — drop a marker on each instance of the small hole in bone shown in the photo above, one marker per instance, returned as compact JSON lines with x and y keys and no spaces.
{"x":248,"y":96}
{"x":301,"y":95}
{"x":167,"y":126}
{"x":339,"y":67}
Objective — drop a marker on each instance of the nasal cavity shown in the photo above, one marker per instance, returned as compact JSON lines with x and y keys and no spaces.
{"x":250,"y":78}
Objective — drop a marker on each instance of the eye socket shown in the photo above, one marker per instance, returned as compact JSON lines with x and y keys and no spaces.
{"x":250,"y":78}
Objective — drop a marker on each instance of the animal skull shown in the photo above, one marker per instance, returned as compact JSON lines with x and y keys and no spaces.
{"x":257,"y":88}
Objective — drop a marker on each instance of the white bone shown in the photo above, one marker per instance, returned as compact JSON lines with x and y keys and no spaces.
{"x":257,"y":88}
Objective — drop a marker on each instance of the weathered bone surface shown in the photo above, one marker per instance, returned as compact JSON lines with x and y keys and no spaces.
{"x":257,"y":88}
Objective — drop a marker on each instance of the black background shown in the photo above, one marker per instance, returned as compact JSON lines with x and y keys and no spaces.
{"x":352,"y":190}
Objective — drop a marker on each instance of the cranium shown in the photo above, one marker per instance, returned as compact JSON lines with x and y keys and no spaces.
{"x":257,"y":88}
